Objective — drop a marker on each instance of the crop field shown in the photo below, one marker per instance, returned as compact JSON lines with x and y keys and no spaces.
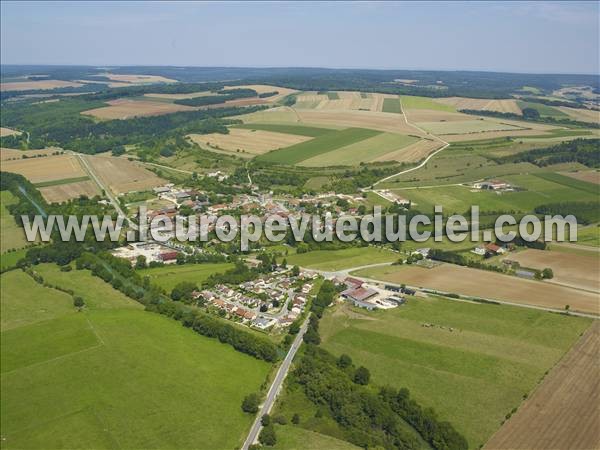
{"x":430,"y":115}
{"x":466,"y":126}
{"x":299,"y":130}
{"x":582,"y":115}
{"x":122,"y":175}
{"x":563,"y":410}
{"x":137,"y":79}
{"x":8,"y":132}
{"x":50,"y":168}
{"x":451,"y":278}
{"x":170,"y":275}
{"x":37,"y":85}
{"x":12,"y":235}
{"x":322,"y":144}
{"x":10,"y":153}
{"x":411,"y":153}
{"x":392,"y":105}
{"x":589,"y":235}
{"x":367,"y":150}
{"x":58,"y":193}
{"x":126,"y":109}
{"x":264,"y":88}
{"x":333,"y":260}
{"x":389,"y":122}
{"x":255,"y":142}
{"x":544,"y":110}
{"x":172,"y":97}
{"x":589,"y":176}
{"x":343,"y":100}
{"x":472,"y":363}
{"x":80,"y":379}
{"x":504,"y":106}
{"x":414,"y":102}
{"x":575,"y":270}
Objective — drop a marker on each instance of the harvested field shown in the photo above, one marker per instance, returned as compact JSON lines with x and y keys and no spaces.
{"x":466,"y":127}
{"x":263,"y":88}
{"x":279,"y":115}
{"x":50,"y":168}
{"x":515,"y":132}
{"x":8,"y":132}
{"x":412,"y":153}
{"x":11,"y":153}
{"x":363,"y":151}
{"x":37,"y":85}
{"x":240,"y":102}
{"x":579,"y":271}
{"x":504,"y":106}
{"x":489,"y":285}
{"x":390,"y":122}
{"x":564,"y":411}
{"x":255,"y":142}
{"x":137,"y":79}
{"x":126,"y":109}
{"x":583,"y":115}
{"x":430,"y":115}
{"x":591,"y":176}
{"x":122,"y":175}
{"x":310,"y":101}
{"x":179,"y":96}
{"x":63,"y":192}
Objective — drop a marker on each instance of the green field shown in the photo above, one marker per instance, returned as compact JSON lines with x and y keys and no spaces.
{"x":544,"y":110}
{"x":10,"y":259}
{"x":466,"y":126}
{"x":170,"y":275}
{"x":580,"y":185}
{"x":415,"y":102}
{"x":473,"y":375}
{"x":321,"y":144}
{"x":299,"y":130}
{"x":333,"y":96}
{"x":538,"y":189}
{"x":290,"y":437}
{"x":362,"y":151}
{"x":113,"y":376}
{"x":63,"y":181}
{"x":12,"y":236}
{"x":392,"y":105}
{"x":589,"y":235}
{"x":333,"y":260}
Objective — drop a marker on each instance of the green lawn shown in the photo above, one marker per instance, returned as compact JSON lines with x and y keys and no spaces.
{"x":170,"y":275}
{"x":363,"y":151}
{"x":473,"y":375}
{"x":299,"y":130}
{"x":321,"y":144}
{"x":342,"y":259}
{"x":392,"y":105}
{"x":12,"y":236}
{"x":415,"y":102}
{"x":290,"y":437}
{"x":10,"y":259}
{"x":114,"y":377}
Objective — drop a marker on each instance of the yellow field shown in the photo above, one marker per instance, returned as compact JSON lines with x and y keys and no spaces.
{"x":137,"y":79}
{"x":179,"y":96}
{"x":49,"y":168}
{"x":8,"y":132}
{"x":430,"y":115}
{"x":412,"y":153}
{"x":37,"y":85}
{"x":262,"y":88}
{"x":505,"y":106}
{"x":122,"y":175}
{"x":255,"y":142}
{"x":393,"y":123}
{"x":63,"y":192}
{"x":11,"y":153}
{"x":126,"y":109}
{"x":348,"y":101}
{"x":583,"y":115}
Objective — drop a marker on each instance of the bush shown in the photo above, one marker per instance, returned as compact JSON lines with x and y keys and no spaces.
{"x":296,"y":419}
{"x":280,"y":419}
{"x":267,"y":436}
{"x":250,"y":403}
{"x":78,"y":302}
{"x":362,"y":376}
{"x":265,"y":420}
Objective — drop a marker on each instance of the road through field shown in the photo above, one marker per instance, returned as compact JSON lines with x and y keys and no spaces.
{"x":275,"y":386}
{"x":426,"y":160}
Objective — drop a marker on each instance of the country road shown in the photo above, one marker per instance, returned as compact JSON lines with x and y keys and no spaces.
{"x":426,"y":160}
{"x":276,"y":386}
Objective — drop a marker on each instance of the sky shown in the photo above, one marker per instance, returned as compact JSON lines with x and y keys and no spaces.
{"x":532,"y":37}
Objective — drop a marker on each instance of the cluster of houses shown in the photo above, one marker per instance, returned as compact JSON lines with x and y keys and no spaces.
{"x":490,"y":249}
{"x":493,"y":185}
{"x":152,"y":251}
{"x":273,"y":301}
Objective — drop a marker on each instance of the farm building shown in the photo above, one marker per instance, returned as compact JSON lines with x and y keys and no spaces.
{"x":492,"y":185}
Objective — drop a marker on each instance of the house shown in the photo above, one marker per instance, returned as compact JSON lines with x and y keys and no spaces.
{"x":422,"y":251}
{"x":479,"y":250}
{"x":495,"y":249}
{"x":359,"y":294}
{"x":353,"y":283}
{"x":493,"y":185}
{"x":168,"y":256}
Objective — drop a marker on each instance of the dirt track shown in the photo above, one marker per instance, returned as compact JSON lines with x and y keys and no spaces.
{"x":564,"y":412}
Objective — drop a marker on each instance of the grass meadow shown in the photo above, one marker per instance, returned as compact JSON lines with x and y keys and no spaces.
{"x":392,"y":105}
{"x":299,"y":130}
{"x":333,"y":260}
{"x":11,"y":235}
{"x":113,"y":375}
{"x":415,"y":102}
{"x":473,"y":364}
{"x":167,"y":277}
